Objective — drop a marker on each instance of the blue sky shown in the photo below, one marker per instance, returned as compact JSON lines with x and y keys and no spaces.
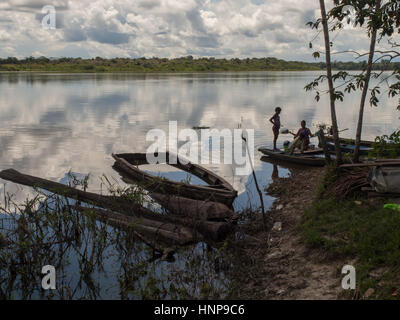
{"x":167,"y":28}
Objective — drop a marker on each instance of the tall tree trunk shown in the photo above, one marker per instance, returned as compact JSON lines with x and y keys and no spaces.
{"x":356,"y":156}
{"x":330,"y":81}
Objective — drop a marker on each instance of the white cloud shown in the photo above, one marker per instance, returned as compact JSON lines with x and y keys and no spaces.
{"x":165,"y":28}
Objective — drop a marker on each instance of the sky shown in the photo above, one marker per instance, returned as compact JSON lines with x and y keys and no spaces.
{"x":168,"y":29}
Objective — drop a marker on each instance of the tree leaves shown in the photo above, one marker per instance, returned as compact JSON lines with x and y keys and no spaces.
{"x":314,"y":25}
{"x":316,"y":55}
{"x":317,"y":96}
{"x":350,"y":87}
{"x":338,"y":95}
{"x":374,"y":99}
{"x":368,"y":14}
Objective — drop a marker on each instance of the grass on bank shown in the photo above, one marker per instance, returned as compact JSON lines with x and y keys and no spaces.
{"x":360,"y":231}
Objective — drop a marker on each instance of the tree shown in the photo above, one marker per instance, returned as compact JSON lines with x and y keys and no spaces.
{"x":329,"y":77}
{"x":382,"y":19}
{"x":374,"y":29}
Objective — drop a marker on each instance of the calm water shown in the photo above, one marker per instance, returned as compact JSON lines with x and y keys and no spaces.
{"x":53,"y":123}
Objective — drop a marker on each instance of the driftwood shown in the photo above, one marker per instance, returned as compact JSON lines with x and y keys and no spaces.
{"x":348,"y":181}
{"x":211,"y":230}
{"x":218,"y":189}
{"x":164,"y":232}
{"x":380,"y":163}
{"x":197,"y":209}
{"x":113,"y":203}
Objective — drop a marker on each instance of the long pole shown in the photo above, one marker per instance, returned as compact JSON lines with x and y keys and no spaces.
{"x":255,"y":179}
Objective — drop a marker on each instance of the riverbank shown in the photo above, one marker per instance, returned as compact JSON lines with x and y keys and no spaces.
{"x":154,"y":65}
{"x":312,"y":238}
{"x":309,"y":239}
{"x":283,"y":266}
{"x":164,"y":65}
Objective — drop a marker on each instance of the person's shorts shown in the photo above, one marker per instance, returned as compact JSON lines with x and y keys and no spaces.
{"x":275,"y":130}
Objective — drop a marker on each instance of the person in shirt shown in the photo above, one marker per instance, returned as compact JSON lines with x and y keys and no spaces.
{"x":301,"y":139}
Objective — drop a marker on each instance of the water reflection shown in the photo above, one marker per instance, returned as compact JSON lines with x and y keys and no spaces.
{"x":54,"y":123}
{"x":94,"y":261}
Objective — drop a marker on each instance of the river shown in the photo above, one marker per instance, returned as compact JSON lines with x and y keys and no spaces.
{"x":52,"y":124}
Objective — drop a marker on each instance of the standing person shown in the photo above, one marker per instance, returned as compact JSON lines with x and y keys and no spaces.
{"x":301,"y":138}
{"x":276,"y":121}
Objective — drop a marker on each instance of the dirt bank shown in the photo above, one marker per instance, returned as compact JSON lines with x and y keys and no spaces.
{"x":282,"y":267}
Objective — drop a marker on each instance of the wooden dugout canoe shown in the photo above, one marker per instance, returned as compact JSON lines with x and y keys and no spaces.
{"x":217,"y":190}
{"x":363,"y":143}
{"x":348,"y":148}
{"x":297,"y":158}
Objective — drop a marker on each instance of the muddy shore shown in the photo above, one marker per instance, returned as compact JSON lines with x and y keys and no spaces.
{"x":281,"y":266}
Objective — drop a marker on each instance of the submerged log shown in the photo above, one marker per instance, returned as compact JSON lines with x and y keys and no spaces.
{"x":212,"y":230}
{"x":160,"y":231}
{"x":197,"y":209}
{"x":113,"y":203}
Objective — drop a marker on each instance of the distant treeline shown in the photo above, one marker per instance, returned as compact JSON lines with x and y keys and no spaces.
{"x":184,"y":64}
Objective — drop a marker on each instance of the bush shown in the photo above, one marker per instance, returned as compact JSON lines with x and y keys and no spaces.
{"x":386,"y":146}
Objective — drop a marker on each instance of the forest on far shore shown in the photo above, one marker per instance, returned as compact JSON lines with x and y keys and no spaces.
{"x":183,"y":64}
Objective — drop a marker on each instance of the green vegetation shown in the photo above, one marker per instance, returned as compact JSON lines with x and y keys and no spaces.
{"x":184,"y":64}
{"x":331,"y":175}
{"x":362,"y":232}
{"x":48,"y":229}
{"x":386,"y":146}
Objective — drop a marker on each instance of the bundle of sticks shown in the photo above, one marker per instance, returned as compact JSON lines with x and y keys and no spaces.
{"x":348,"y":181}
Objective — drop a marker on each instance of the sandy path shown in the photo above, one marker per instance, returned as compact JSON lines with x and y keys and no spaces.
{"x":290,"y":270}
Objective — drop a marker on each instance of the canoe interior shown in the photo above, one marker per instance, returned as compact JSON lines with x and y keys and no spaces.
{"x":282,"y":163}
{"x":207,"y":176}
{"x":218,"y":189}
{"x":307,"y":152}
{"x":165,"y":171}
{"x":305,"y":159}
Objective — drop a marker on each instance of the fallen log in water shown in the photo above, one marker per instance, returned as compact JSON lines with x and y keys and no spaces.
{"x":113,"y":203}
{"x":209,"y":229}
{"x":197,"y":209}
{"x":160,"y":231}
